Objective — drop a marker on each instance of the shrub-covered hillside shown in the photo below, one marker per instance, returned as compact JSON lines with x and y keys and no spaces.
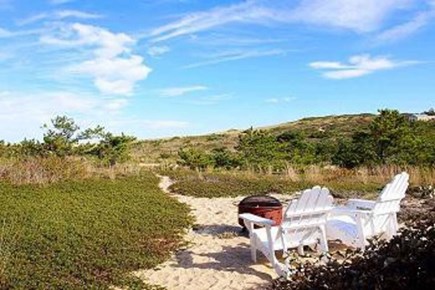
{"x":388,"y":138}
{"x":315,"y":128}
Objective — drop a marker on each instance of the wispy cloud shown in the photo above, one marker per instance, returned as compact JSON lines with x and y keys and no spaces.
{"x":355,"y":15}
{"x":358,"y":66}
{"x":210,"y":100}
{"x":406,"y":29}
{"x":156,"y":50}
{"x":113,"y":67}
{"x":280,"y":100}
{"x":181,"y":91}
{"x":236,"y":55}
{"x":58,"y":15}
{"x":200,"y":21}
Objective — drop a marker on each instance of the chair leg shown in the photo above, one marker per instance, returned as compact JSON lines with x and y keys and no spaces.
{"x":254,"y":254}
{"x":301,"y":250}
{"x":323,"y":240}
{"x":394,"y":225}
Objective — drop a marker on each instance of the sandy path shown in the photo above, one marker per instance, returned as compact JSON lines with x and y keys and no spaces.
{"x":218,"y":256}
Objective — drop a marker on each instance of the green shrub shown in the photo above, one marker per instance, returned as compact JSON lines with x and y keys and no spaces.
{"x":86,"y":234}
{"x":239,"y":183}
{"x":405,"y":262}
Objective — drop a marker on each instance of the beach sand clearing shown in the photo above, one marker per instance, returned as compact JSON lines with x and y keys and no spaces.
{"x":218,"y":255}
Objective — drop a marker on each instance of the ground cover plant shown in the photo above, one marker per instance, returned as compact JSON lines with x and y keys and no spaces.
{"x":86,"y":234}
{"x":242,"y":183}
{"x":344,"y":183}
{"x":405,"y":262}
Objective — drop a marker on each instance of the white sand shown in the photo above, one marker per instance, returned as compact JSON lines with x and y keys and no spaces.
{"x":217,"y":257}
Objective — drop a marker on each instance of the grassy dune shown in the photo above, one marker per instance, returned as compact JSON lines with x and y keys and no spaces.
{"x":316,"y":129}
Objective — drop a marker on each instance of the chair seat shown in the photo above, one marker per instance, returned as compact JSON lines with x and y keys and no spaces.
{"x":261,"y":236}
{"x":342,"y":227}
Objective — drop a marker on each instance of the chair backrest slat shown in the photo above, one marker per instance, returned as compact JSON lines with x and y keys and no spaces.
{"x":390,"y":197}
{"x":309,"y":210}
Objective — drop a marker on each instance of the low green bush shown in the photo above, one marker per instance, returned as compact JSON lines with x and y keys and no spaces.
{"x":405,"y":262}
{"x":240,"y":183}
{"x":86,"y":234}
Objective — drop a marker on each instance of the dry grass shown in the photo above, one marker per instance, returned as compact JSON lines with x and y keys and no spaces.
{"x":53,"y":169}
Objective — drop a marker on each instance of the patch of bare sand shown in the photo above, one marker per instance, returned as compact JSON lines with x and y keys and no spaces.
{"x":218,"y":256}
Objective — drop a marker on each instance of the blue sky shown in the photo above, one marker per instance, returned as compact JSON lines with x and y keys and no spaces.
{"x":156,"y":68}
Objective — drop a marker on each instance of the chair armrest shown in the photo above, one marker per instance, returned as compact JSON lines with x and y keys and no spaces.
{"x":256,"y":219}
{"x":349,"y":211}
{"x":361,"y":204}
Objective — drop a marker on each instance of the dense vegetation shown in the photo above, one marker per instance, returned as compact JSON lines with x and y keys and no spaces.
{"x":342,"y":182}
{"x":86,"y":234}
{"x":405,"y":262}
{"x":315,"y":129}
{"x":64,"y":138}
{"x":390,"y":138}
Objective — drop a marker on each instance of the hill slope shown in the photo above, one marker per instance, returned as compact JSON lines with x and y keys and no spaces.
{"x":315,"y":129}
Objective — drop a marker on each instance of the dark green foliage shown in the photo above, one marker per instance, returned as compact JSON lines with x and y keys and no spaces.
{"x":259,"y":148}
{"x":296,"y":147}
{"x":405,"y":262}
{"x":111,"y":148}
{"x":86,"y":235}
{"x":63,"y":138}
{"x":225,"y":159}
{"x":195,"y":158}
{"x":390,"y":139}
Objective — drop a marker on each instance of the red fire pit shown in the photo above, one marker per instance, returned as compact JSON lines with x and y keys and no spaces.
{"x":261,"y":205}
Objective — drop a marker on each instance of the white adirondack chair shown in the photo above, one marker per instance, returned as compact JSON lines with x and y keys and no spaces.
{"x":303,"y":224}
{"x":362,"y":219}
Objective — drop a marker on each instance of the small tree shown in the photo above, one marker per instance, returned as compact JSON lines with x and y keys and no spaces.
{"x":224,"y":158}
{"x":64,"y":137}
{"x":113,"y":148}
{"x":260,"y":148}
{"x":430,"y":112}
{"x":195,"y":158}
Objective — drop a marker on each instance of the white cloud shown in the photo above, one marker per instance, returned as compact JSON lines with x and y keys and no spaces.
{"x":155,"y":51}
{"x":113,"y":67}
{"x":357,"y":66}
{"x":236,"y":55}
{"x":181,"y":91}
{"x":28,"y":111}
{"x":5,"y":33}
{"x":408,"y":28}
{"x":200,"y":21}
{"x":210,"y":100}
{"x":280,"y":100}
{"x":355,"y":15}
{"x":58,"y":15}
